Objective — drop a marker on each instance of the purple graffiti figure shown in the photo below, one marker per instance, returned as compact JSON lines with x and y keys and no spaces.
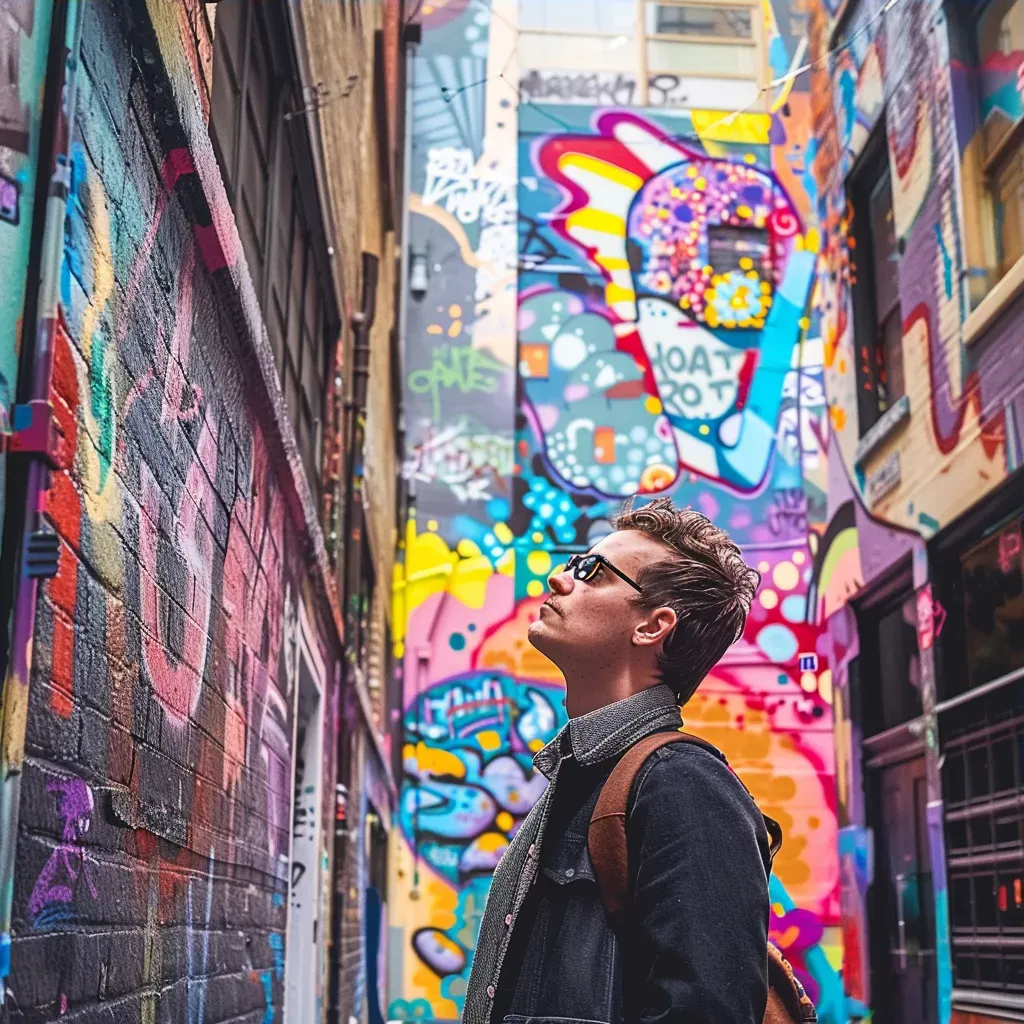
{"x":54,"y":891}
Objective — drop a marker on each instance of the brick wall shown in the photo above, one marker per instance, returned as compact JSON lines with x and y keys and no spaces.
{"x":155,"y":804}
{"x":340,"y":41}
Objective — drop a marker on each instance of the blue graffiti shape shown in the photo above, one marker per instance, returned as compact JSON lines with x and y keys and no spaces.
{"x":276,"y":941}
{"x":268,"y":996}
{"x":469,"y":779}
{"x":602,"y":431}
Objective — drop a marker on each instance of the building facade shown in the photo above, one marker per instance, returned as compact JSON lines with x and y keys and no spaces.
{"x":198,"y":279}
{"x":915,"y":160}
{"x":557,"y":362}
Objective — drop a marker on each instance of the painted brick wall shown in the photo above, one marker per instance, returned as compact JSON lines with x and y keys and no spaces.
{"x":155,"y":804}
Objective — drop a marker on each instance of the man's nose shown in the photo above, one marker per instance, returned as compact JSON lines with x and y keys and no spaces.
{"x":561,"y":582}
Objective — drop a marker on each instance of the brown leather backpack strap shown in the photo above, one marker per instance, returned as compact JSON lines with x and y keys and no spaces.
{"x":606,"y":836}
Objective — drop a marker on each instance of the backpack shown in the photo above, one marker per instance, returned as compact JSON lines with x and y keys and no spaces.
{"x":788,"y":1003}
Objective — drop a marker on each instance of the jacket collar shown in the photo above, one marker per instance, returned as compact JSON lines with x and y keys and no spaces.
{"x":609,"y":731}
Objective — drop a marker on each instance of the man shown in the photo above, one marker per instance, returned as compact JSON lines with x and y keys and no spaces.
{"x":634,"y":626}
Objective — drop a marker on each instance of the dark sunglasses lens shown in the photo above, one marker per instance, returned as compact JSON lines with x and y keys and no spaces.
{"x":587,"y":568}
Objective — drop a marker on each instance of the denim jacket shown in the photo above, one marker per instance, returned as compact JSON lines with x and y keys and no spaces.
{"x":693,"y":946}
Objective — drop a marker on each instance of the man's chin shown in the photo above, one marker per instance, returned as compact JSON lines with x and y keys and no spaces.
{"x":539,"y":635}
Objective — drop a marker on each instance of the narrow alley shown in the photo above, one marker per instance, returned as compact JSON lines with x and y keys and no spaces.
{"x":330,"y":330}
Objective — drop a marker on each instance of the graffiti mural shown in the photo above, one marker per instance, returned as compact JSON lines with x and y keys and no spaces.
{"x":159,"y":730}
{"x":665,"y":338}
{"x":706,"y":275}
{"x":470,"y":741}
{"x":963,"y":433}
{"x":958,"y":434}
{"x":481,"y":729}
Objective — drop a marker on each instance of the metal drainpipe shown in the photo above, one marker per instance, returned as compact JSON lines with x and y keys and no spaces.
{"x":355,"y":415}
{"x":34,"y":425}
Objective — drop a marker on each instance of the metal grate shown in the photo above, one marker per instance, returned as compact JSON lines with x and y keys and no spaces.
{"x":983,"y":783}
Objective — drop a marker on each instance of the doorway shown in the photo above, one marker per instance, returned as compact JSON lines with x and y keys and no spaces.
{"x":902,"y":899}
{"x":303,"y":983}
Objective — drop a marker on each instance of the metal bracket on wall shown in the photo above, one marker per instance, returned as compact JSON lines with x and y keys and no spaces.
{"x":34,"y":431}
{"x":42,"y":555}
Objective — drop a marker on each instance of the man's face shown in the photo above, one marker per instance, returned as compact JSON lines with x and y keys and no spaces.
{"x":593,"y":622}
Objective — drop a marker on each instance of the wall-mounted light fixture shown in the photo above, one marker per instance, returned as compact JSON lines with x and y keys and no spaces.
{"x":418,"y":274}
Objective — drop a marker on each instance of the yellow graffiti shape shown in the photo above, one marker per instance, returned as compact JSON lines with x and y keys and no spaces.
{"x":488,"y":739}
{"x":783,"y":781}
{"x":435,"y":909}
{"x":491,"y":842}
{"x":720,"y":126}
{"x":95,"y":373}
{"x":424,"y":760}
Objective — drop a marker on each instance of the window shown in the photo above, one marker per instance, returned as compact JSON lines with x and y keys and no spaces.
{"x":705,"y":22}
{"x":993,"y":589}
{"x":732,"y":249}
{"x":999,"y":35}
{"x":266,"y":159}
{"x":702,"y":39}
{"x":876,"y":301}
{"x":982,"y":742}
{"x":984,"y":827}
{"x":891,"y":675}
{"x":670,"y":53}
{"x":988,"y":39}
{"x":578,"y":16}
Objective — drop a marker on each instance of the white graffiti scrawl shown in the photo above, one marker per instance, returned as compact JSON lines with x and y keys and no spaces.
{"x":456,"y":182}
{"x":466,"y":462}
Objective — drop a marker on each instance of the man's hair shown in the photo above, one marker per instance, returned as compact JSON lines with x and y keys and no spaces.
{"x":706,"y":583}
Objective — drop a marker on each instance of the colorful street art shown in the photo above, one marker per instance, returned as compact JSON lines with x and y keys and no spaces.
{"x":664,"y":341}
{"x":159,"y":730}
{"x":962,"y":432}
{"x":68,"y":867}
{"x":706,"y":276}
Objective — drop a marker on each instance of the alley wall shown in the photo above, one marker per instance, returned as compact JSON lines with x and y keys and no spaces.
{"x":547,"y":380}
{"x":182,"y":724}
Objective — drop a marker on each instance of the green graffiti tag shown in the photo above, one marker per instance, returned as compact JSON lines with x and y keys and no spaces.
{"x":461,"y":367}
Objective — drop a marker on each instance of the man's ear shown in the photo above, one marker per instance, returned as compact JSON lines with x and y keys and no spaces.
{"x":655,"y":628}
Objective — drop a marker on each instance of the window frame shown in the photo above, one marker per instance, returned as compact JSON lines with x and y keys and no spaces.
{"x":755,"y":43}
{"x":302,"y":346}
{"x":872,"y":350}
{"x":985,"y":162}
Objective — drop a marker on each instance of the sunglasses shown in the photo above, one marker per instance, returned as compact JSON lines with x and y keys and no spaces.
{"x":586,"y":567}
